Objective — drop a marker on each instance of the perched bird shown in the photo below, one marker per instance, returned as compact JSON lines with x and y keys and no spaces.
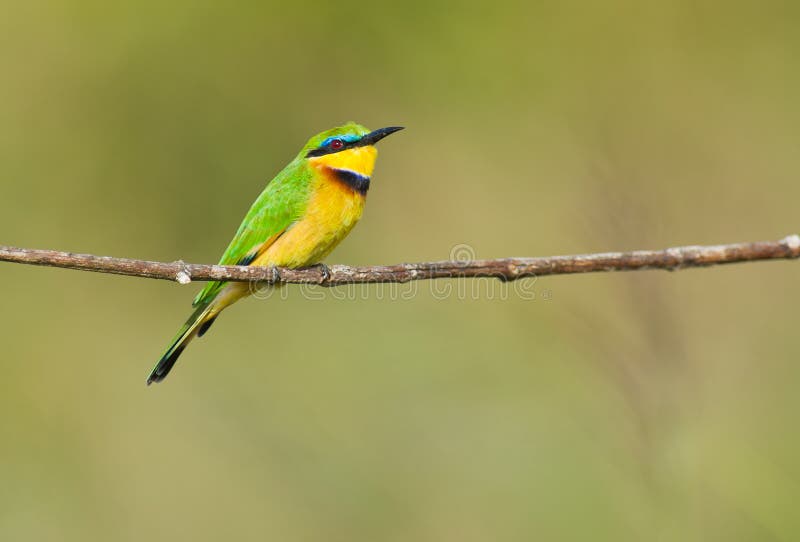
{"x":299,"y":218}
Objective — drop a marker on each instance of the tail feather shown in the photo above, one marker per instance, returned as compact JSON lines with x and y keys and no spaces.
{"x":200,"y":321}
{"x":205,"y":325}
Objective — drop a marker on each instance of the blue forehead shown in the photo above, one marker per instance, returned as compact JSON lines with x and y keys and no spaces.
{"x":348,"y":138}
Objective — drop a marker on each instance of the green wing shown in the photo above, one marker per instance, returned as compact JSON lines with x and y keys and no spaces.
{"x":281,"y":203}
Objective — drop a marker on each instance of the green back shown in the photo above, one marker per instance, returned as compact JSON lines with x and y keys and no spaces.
{"x":281,"y":203}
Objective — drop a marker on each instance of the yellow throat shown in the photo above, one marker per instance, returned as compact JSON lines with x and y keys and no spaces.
{"x":360,"y":160}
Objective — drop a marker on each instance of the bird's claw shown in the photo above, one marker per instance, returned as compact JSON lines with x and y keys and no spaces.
{"x":326,"y":272}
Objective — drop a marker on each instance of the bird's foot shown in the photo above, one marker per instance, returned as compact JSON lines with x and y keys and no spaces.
{"x":326,"y":272}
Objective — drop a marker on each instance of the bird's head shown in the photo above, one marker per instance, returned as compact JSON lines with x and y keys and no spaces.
{"x":350,"y":147}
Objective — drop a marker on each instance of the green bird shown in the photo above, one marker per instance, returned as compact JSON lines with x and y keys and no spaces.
{"x":299,"y":218}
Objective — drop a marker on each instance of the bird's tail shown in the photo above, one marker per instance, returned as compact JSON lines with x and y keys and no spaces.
{"x":197,"y":324}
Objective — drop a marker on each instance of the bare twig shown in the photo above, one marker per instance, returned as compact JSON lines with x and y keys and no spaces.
{"x":504,"y":269}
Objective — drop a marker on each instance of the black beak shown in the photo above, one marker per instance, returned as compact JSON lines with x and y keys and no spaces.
{"x":373,"y":137}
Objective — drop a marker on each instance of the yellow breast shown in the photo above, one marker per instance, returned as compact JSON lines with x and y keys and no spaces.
{"x":332,"y":212}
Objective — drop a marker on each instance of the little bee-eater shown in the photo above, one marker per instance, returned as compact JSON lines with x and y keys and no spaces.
{"x":299,"y":218}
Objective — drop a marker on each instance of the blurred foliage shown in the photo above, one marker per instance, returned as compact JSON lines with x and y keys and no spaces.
{"x":646,"y":406}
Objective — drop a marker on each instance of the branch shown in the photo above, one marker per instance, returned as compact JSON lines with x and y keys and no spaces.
{"x":504,"y":269}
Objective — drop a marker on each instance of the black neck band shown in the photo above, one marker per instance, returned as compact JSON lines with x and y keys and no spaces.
{"x":356,"y":181}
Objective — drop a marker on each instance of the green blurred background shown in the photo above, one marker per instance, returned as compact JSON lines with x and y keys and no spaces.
{"x":641,"y":406}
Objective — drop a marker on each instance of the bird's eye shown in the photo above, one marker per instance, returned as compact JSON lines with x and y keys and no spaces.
{"x":336,"y":144}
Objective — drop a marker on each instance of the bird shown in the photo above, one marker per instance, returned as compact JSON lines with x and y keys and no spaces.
{"x":300,"y":217}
